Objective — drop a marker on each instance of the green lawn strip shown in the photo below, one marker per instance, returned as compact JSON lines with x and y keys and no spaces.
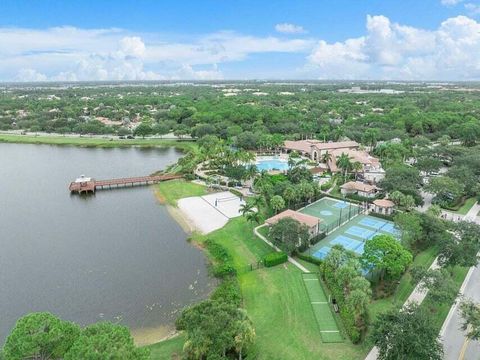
{"x":440,"y":311}
{"x":277,"y":303}
{"x":329,"y":330}
{"x":94,"y":142}
{"x":171,"y":191}
{"x":238,"y":239}
{"x":467,"y":205}
{"x":167,"y":349}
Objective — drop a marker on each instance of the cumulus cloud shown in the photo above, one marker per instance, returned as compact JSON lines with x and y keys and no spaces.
{"x":393,"y":51}
{"x":30,"y":75}
{"x":74,"y":54}
{"x":386,"y":50}
{"x":288,"y":28}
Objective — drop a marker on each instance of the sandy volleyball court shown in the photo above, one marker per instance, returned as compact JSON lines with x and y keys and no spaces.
{"x":210,"y":212}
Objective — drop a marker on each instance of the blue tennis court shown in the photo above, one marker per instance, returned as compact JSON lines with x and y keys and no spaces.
{"x":341,"y":204}
{"x":353,"y":235}
{"x":372,"y":222}
{"x":322,"y":253}
{"x":359,"y":231}
{"x":390,"y":228}
{"x":346,"y":242}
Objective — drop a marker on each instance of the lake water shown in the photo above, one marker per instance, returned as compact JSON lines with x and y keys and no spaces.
{"x":117,"y":255}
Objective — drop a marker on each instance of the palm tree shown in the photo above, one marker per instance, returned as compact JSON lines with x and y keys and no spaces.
{"x":277,"y":203}
{"x":246,"y":208}
{"x":357,"y":166}
{"x":326,"y":157}
{"x":289,"y":194}
{"x":344,"y":163}
{"x":293,"y":158}
{"x":253,"y":216}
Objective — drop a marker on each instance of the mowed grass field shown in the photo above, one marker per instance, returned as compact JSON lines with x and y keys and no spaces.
{"x":329,"y":330}
{"x":277,"y":302}
{"x":169,"y":192}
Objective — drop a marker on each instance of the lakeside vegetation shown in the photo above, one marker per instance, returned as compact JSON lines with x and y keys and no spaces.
{"x":86,"y":141}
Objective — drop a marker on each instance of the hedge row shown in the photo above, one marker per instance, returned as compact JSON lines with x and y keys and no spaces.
{"x":381,"y":216}
{"x":223,"y":264}
{"x":310,"y":259}
{"x":343,"y":199}
{"x":274,"y":258}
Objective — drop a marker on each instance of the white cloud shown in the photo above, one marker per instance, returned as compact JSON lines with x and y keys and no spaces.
{"x":287,"y":28}
{"x":386,"y":50}
{"x":393,"y":51}
{"x":30,"y":75}
{"x":450,"y":2}
{"x":473,"y":9}
{"x":70,"y":53}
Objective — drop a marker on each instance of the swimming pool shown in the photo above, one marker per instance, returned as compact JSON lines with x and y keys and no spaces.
{"x":272,"y":164}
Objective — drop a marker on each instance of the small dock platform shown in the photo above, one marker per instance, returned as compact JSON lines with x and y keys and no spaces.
{"x":90,"y":185}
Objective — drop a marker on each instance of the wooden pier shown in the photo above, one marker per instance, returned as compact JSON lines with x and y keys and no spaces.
{"x":90,"y":185}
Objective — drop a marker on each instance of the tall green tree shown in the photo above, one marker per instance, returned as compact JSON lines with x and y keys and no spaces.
{"x":40,"y":336}
{"x":406,"y":334}
{"x":471,"y":319}
{"x":385,"y":253}
{"x":277,"y":203}
{"x":105,"y":340}
{"x":288,"y":234}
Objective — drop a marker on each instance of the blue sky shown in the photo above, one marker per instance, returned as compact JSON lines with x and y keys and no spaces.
{"x":243,"y":39}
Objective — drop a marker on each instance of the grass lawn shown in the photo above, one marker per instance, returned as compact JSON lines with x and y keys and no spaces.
{"x":467,"y":205}
{"x":168,"y":349}
{"x":277,"y":303}
{"x":93,"y":142}
{"x":239,"y":240}
{"x":170,"y":191}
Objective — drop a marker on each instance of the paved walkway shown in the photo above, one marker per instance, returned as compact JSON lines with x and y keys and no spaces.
{"x":290,"y":259}
{"x":455,"y":345}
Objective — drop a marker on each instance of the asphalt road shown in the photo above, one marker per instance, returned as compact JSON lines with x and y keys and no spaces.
{"x":455,"y":345}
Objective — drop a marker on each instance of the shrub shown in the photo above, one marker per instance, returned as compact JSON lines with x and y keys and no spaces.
{"x":223,"y":265}
{"x":382,"y":216}
{"x":310,"y":259}
{"x":317,"y":238}
{"x":189,"y":177}
{"x":274,"y":258}
{"x":236,"y":192}
{"x":359,"y":198}
{"x":228,"y":291}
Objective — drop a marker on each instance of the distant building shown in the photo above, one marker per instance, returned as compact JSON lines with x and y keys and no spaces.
{"x":383,"y":206}
{"x":372,"y":170}
{"x":314,"y":149}
{"x":312,"y":222}
{"x":359,"y":188}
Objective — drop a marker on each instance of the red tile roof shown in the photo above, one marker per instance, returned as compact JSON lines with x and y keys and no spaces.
{"x":308,"y":220}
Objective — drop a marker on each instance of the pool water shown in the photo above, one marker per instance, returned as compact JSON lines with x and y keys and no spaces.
{"x":272,"y":164}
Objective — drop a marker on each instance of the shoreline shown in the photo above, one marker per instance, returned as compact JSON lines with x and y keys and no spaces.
{"x":152,"y":335}
{"x":178,"y":215}
{"x":86,"y":141}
